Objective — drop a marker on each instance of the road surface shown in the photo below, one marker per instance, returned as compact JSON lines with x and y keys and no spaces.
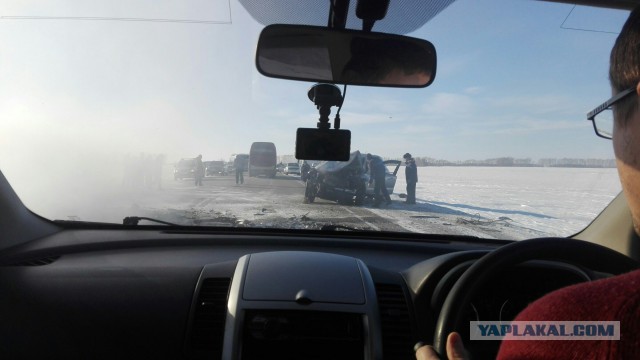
{"x":278,"y":203}
{"x":260,"y":201}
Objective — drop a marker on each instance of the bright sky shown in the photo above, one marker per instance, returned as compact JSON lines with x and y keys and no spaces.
{"x":501,"y":90}
{"x":94,"y":89}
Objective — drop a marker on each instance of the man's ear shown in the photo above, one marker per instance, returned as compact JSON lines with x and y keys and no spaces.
{"x":638,"y":89}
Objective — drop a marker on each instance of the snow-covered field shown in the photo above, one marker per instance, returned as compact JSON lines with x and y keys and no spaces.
{"x":547,"y":201}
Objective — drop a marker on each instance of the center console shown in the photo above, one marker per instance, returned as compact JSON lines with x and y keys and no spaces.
{"x":301,"y":305}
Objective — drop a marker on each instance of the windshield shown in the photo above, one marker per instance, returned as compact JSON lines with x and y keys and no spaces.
{"x":105,"y":108}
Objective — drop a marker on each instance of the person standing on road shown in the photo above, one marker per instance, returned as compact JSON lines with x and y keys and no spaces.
{"x":238,"y":164}
{"x":304,"y":171}
{"x":411,"y":174}
{"x":377,"y":175}
{"x":199,"y":170}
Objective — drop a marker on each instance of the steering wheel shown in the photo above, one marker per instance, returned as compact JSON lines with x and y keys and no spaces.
{"x":576,"y":252}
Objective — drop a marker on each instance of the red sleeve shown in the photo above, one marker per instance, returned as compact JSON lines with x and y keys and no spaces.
{"x":612,"y":299}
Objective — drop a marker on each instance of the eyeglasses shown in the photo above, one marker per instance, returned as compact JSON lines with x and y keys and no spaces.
{"x":602,"y":116}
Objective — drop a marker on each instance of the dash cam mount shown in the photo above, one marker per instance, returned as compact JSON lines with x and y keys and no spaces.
{"x":324,"y":96}
{"x":324,"y":143}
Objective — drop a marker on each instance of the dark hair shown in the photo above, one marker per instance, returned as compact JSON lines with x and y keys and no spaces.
{"x":624,"y":68}
{"x":367,"y":65}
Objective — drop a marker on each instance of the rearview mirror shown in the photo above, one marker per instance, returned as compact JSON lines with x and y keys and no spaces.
{"x":319,"y":54}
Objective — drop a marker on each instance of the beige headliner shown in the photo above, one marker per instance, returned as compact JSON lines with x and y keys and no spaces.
{"x":613,"y":228}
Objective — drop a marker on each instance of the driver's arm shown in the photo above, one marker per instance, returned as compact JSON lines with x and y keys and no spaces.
{"x":455,"y":350}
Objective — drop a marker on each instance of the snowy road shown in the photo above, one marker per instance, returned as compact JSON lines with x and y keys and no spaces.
{"x":277,"y":203}
{"x":260,"y":202}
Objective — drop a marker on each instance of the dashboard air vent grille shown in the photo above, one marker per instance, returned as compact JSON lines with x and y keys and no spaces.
{"x":37,"y":262}
{"x":207,"y":333}
{"x":397,"y":339}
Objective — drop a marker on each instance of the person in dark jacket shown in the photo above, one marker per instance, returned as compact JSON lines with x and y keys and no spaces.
{"x":411,"y":173}
{"x":304,"y":171}
{"x":377,"y":174}
{"x":238,"y":164}
{"x":199,"y":170}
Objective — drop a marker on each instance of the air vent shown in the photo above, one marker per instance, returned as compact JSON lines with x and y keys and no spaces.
{"x":397,"y":341}
{"x":207,"y":332}
{"x":37,"y":262}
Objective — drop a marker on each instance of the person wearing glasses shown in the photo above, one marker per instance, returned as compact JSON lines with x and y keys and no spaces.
{"x":616,"y":298}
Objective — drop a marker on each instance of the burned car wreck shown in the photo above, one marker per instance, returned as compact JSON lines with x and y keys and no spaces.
{"x":346,"y":182}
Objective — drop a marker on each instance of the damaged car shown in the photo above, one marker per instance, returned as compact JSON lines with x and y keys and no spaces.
{"x":346,"y":182}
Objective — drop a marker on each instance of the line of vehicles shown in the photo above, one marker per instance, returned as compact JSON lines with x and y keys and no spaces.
{"x":346,"y":182}
{"x":261,"y":161}
{"x":186,"y":168}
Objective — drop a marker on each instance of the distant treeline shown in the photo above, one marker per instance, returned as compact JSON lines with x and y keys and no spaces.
{"x":527,"y":162}
{"x":501,"y":162}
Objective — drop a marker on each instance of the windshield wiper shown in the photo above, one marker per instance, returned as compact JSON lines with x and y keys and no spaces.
{"x":134,"y":220}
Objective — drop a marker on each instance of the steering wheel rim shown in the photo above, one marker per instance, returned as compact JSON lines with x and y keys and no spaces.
{"x":576,"y":252}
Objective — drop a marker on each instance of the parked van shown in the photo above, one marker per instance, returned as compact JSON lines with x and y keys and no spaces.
{"x":262,"y":159}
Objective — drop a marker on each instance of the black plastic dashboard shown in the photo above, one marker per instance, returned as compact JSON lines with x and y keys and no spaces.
{"x":160,"y":294}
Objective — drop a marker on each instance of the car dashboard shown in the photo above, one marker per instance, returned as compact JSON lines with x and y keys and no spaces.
{"x":96,"y":293}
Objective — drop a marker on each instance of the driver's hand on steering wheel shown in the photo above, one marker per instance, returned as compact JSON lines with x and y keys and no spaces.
{"x":455,"y":350}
